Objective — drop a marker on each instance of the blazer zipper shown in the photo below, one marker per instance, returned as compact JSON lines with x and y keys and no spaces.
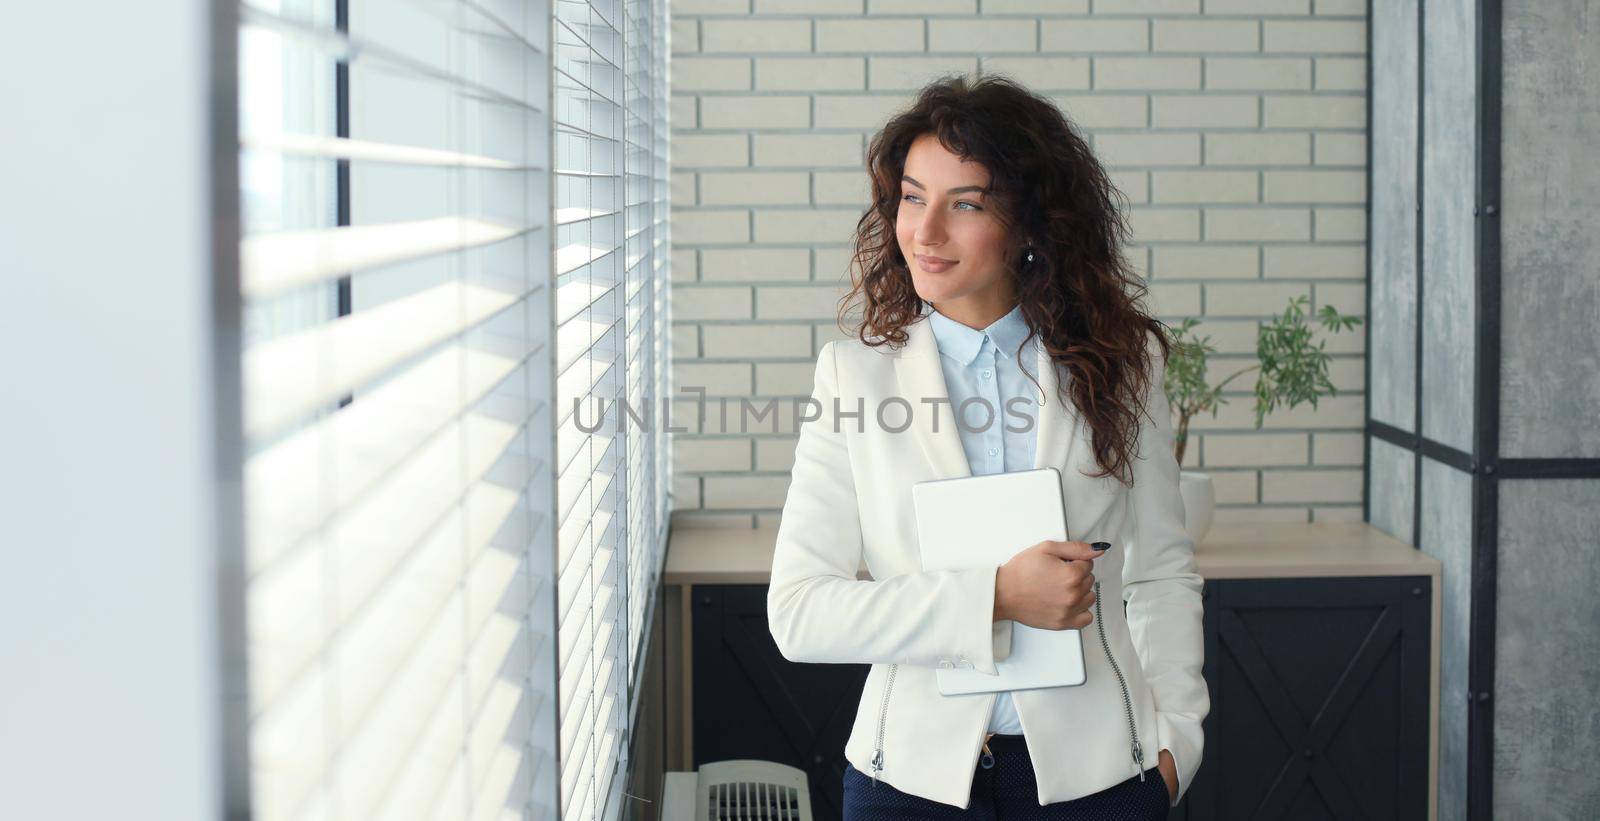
{"x":1127,"y":703}
{"x":883,"y":714}
{"x":1122,"y":683}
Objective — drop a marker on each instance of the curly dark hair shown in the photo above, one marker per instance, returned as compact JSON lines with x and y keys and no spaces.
{"x":1079,"y":295}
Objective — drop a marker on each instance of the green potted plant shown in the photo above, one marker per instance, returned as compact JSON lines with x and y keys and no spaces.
{"x":1292,"y":369}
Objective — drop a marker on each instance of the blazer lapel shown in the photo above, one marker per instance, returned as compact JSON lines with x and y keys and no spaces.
{"x":921,"y":377}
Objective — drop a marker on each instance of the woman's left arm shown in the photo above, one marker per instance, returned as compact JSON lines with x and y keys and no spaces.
{"x":1161,"y":585}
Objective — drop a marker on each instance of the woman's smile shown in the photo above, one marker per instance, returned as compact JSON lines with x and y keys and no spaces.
{"x":934,"y":265}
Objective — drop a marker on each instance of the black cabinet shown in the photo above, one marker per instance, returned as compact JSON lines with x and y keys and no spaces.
{"x":1319,"y":698}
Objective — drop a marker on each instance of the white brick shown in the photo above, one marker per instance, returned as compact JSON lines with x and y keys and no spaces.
{"x":685,"y":112}
{"x":831,"y":263}
{"x":694,"y":454}
{"x":809,"y":150}
{"x":1342,"y":7}
{"x":754,"y":36}
{"x":984,"y":36}
{"x":755,"y":188}
{"x":742,"y":111}
{"x":1233,"y":487}
{"x":1256,"y":299}
{"x":764,"y":340}
{"x":1094,"y":111}
{"x":1349,"y":513}
{"x":1259,"y":515}
{"x":743,"y":492}
{"x":700,"y":520}
{"x":1327,"y":36}
{"x":709,"y":150}
{"x":683,"y":188}
{"x":780,"y":302}
{"x":869,"y":36}
{"x":1339,"y":224}
{"x":716,"y":378}
{"x":1147,"y":6}
{"x":1255,"y":7}
{"x":1315,"y":186}
{"x":754,"y":264}
{"x":1258,"y":224}
{"x":784,"y":378}
{"x":811,"y":73}
{"x":922,"y":6}
{"x":775,"y":453}
{"x":1205,"y":261}
{"x":1316,"y":261}
{"x":1146,"y":72}
{"x":802,"y":7}
{"x":710,"y":74}
{"x":1341,"y":149}
{"x":687,"y":7}
{"x":908,"y":73}
{"x":1207,"y":35}
{"x":1344,"y":296}
{"x":1165,"y":224}
{"x":841,"y":188}
{"x":1148,"y":149}
{"x":1320,"y":111}
{"x":1094,"y":35}
{"x":1311,"y":486}
{"x":1257,"y":73}
{"x":856,"y":111}
{"x":789,"y":225}
{"x":1035,"y":6}
{"x":1042,"y":73}
{"x":685,"y":35}
{"x":1203,"y":186}
{"x":685,"y":341}
{"x":1205,"y":111}
{"x":683,"y":264}
{"x":692,"y":227}
{"x":1336,"y":448}
{"x":1174,"y":299}
{"x":1254,"y":449}
{"x":1135,"y":185}
{"x":1258,"y":149}
{"x":710,"y":303}
{"x":685,"y":494}
{"x":1341,"y":73}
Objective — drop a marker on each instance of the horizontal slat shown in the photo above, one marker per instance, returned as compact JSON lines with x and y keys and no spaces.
{"x":287,"y":378}
{"x":573,"y":256}
{"x":274,"y":263}
{"x":342,"y":148}
{"x":290,"y":487}
{"x":337,"y":46}
{"x":364,"y":545}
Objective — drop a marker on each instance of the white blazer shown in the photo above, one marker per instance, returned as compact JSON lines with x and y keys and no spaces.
{"x":849,"y":499}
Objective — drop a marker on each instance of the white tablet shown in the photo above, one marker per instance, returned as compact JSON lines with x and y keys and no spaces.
{"x":985,"y":520}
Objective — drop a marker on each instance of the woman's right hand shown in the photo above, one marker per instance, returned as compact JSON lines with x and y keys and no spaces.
{"x":1049,"y":586}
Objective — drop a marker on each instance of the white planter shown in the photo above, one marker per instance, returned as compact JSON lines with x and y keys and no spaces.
{"x":1199,"y":503}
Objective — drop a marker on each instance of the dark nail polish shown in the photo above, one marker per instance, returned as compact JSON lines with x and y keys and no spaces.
{"x":1101,"y":545}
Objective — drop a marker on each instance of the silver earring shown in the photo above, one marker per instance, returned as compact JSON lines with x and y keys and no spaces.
{"x":1030,"y":254}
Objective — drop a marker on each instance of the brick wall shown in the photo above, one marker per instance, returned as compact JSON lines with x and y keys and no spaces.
{"x":1236,"y":128}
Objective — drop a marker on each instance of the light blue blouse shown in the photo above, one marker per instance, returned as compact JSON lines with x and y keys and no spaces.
{"x":983,"y":365}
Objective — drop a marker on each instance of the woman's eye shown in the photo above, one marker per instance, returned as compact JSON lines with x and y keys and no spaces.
{"x":907,"y":197}
{"x":913,"y":198}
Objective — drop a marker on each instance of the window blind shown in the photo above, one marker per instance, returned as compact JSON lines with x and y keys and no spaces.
{"x":454,"y":249}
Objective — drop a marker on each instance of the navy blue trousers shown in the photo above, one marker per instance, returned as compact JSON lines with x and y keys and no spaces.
{"x":1007,"y":791}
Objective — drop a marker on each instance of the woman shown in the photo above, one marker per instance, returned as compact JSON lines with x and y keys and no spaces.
{"x":990,"y":274}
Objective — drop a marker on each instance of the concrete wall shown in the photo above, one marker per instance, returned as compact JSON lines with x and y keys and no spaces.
{"x":1235,"y":127}
{"x":1547,"y":652}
